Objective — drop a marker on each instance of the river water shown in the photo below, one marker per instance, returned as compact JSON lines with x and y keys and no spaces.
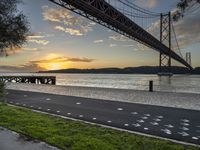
{"x":177,"y":83}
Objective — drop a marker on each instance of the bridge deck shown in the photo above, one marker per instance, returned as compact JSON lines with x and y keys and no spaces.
{"x":103,"y":13}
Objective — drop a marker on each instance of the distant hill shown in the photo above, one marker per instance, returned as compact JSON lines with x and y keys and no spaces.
{"x":128,"y":70}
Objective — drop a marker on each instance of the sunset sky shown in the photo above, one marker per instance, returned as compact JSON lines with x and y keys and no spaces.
{"x":60,"y":39}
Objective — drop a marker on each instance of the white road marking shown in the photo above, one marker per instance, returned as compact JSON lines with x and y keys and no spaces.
{"x":140,"y":121}
{"x":183,"y":133}
{"x":80,"y":116}
{"x":157,"y":119}
{"x":160,"y":117}
{"x":109,"y":121}
{"x":146,"y":128}
{"x":48,"y":109}
{"x":169,"y":126}
{"x":78,"y":103}
{"x":58,"y":111}
{"x":39,"y":107}
{"x":148,"y":115}
{"x":144,"y":118}
{"x":134,"y":113}
{"x":185,"y":120}
{"x":94,"y":118}
{"x":48,"y":99}
{"x":120,"y":109}
{"x":126,"y":125}
{"x":195,"y":138}
{"x":184,"y":128}
{"x":154,"y":123}
{"x":185,"y":124}
{"x":166,"y":131}
{"x":136,"y":125}
{"x":68,"y":113}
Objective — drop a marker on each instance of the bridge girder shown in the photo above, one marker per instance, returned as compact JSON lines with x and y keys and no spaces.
{"x":103,"y":13}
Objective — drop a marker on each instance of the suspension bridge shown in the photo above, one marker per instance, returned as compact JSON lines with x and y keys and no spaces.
{"x":154,"y":30}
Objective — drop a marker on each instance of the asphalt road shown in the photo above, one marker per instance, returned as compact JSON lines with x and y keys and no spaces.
{"x":177,"y":124}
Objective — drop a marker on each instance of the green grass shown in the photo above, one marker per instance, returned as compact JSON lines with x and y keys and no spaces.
{"x":75,"y":135}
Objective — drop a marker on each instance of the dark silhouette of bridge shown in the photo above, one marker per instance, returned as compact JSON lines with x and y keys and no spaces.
{"x":105,"y":12}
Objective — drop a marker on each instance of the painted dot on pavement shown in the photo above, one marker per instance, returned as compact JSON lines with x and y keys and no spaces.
{"x":48,"y":109}
{"x":166,"y":131}
{"x":68,"y":113}
{"x":185,"y":120}
{"x":126,"y":125}
{"x":154,"y":123}
{"x":109,"y":121}
{"x":169,"y":126}
{"x":160,"y":117}
{"x":195,"y":138}
{"x":145,"y":118}
{"x":134,"y":113}
{"x":140,"y":121}
{"x":58,"y":111}
{"x":148,"y":115}
{"x":146,"y":128}
{"x":136,"y":125}
{"x":183,"y":133}
{"x":185,"y":124}
{"x":184,"y":128}
{"x":78,"y":103}
{"x":94,"y":118}
{"x":157,"y":119}
{"x":48,"y":99}
{"x":120,"y":109}
{"x":80,"y":116}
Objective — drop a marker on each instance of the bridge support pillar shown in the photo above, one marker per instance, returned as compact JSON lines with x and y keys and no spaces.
{"x":165,"y":38}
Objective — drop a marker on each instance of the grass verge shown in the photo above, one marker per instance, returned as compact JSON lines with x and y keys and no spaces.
{"x":75,"y":135}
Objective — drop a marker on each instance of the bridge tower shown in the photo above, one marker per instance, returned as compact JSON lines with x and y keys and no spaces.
{"x":188,"y":58}
{"x":165,"y":38}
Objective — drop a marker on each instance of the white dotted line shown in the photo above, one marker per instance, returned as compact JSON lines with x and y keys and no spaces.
{"x":120,"y":109}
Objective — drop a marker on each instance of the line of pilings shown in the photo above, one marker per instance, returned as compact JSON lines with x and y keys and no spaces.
{"x":29,"y":79}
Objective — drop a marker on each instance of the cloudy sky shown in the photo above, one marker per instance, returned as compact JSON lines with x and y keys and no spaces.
{"x":60,"y":39}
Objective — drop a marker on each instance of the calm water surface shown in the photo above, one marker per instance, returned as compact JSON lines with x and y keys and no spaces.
{"x":177,"y":83}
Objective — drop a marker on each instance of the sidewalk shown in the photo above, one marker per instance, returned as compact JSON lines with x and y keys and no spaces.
{"x":12,"y":141}
{"x":166,"y":99}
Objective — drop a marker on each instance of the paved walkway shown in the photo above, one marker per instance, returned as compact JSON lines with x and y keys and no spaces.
{"x":166,"y":99}
{"x":13,"y":141}
{"x":178,"y":124}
